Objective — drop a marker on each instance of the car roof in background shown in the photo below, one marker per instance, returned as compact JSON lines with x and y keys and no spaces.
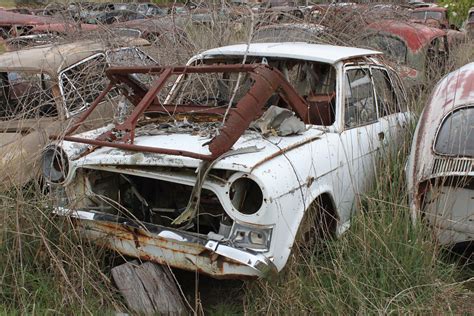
{"x":53,"y":58}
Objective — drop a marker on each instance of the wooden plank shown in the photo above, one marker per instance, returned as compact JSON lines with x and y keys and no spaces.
{"x":148,"y":288}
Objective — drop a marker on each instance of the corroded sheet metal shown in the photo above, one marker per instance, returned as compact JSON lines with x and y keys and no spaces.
{"x":63,"y":28}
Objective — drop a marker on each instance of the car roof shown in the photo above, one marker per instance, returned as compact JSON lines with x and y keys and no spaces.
{"x":296,"y":50}
{"x":455,"y":89}
{"x":414,"y":34}
{"x":52,"y":58}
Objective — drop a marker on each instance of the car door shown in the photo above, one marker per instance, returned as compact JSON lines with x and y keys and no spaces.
{"x":393,"y":107}
{"x":360,"y":135}
{"x":389,"y":107}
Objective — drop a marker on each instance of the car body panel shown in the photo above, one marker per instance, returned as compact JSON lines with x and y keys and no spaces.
{"x":429,"y":172}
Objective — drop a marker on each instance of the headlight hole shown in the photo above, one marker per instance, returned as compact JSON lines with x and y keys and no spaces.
{"x":246,"y":195}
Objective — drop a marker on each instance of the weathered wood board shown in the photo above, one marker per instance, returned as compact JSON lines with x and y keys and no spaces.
{"x":149,"y":288}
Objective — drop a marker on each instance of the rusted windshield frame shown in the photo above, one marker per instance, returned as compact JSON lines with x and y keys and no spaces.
{"x":267,"y":81}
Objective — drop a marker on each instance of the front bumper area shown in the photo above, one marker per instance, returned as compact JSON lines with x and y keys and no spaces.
{"x":169,"y":246}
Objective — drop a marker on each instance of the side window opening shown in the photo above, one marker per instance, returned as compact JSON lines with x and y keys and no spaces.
{"x":386,"y":97}
{"x":359,"y":103}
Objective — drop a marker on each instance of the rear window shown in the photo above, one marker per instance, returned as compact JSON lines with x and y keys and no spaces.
{"x":392,"y":47}
{"x":422,"y":15}
{"x":456,"y":135}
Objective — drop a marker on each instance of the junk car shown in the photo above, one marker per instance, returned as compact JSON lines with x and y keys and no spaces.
{"x":43,"y":88}
{"x":423,"y":50}
{"x":438,"y":17}
{"x":48,"y":34}
{"x":169,"y":39}
{"x":223,"y":164}
{"x":440,"y":168}
{"x":433,"y":16}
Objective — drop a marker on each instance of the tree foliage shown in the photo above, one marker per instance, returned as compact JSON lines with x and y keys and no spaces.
{"x":457,"y":9}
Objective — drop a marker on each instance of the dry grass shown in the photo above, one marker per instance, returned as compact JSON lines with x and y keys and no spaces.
{"x":46,"y":266}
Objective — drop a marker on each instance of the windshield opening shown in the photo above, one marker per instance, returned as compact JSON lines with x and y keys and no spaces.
{"x":315,"y":82}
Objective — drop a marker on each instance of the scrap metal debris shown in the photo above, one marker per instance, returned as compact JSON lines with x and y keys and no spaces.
{"x":279,"y":121}
{"x":204,"y":129}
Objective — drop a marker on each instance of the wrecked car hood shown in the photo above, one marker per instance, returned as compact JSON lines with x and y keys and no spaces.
{"x":259,"y":149}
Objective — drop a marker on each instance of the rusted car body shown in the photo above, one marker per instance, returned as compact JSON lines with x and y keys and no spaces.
{"x":43,"y":89}
{"x":169,"y":41}
{"x":222,"y":163}
{"x":424,"y":50}
{"x":149,"y":29}
{"x":63,"y":28}
{"x":155,"y":30}
{"x":440,"y":168}
{"x":345,"y":21}
{"x":16,"y":24}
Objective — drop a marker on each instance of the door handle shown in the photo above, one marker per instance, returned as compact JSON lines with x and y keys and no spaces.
{"x":381,"y":136}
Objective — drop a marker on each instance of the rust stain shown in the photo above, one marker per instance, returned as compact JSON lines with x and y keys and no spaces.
{"x":140,"y":237}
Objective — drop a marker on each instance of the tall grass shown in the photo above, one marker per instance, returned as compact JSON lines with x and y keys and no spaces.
{"x":383,"y":264}
{"x":45,"y":267}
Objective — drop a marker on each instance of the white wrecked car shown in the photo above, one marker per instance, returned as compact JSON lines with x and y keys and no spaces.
{"x":440,"y":168}
{"x":217,"y":165}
